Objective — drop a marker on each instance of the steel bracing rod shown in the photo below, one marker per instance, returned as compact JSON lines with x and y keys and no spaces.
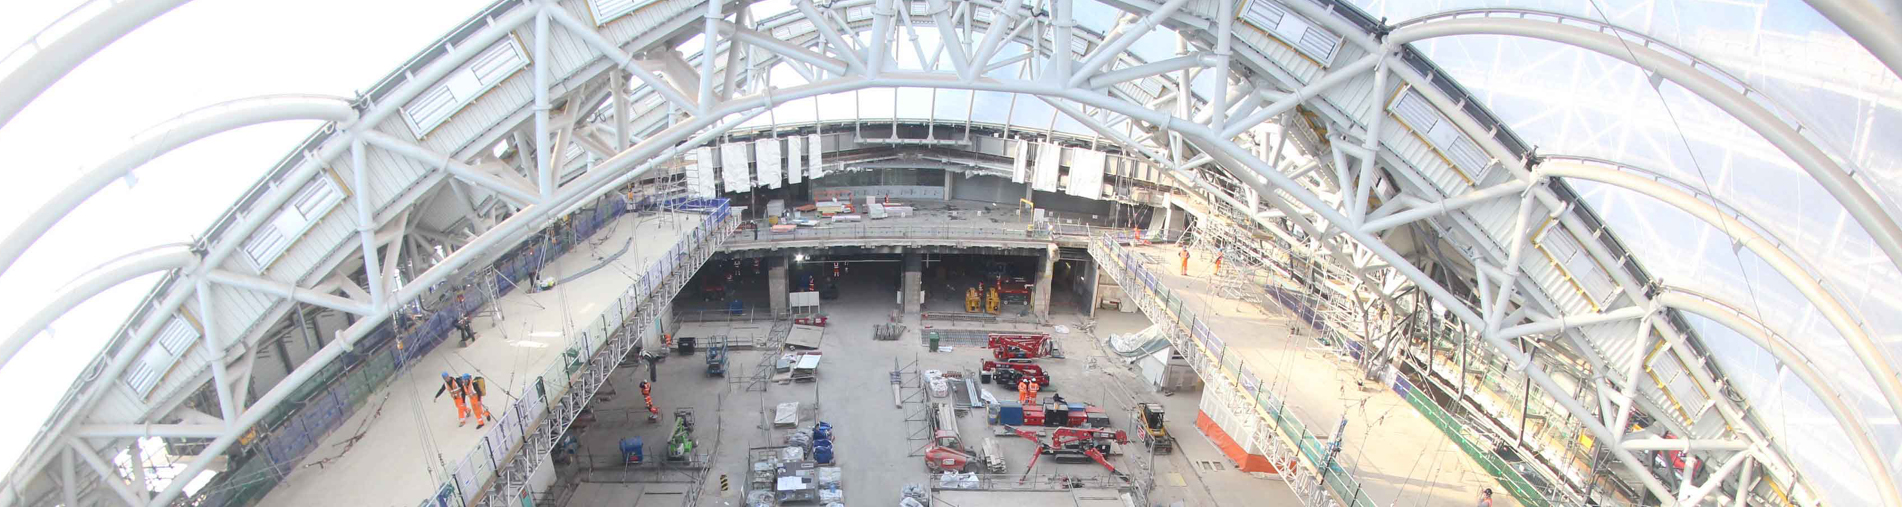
{"x":1114,"y":48}
{"x":784,"y":49}
{"x":1370,"y":146}
{"x":709,"y":44}
{"x":1420,"y":209}
{"x":836,"y":41}
{"x":1793,"y":271}
{"x":948,"y":39}
{"x":161,"y":139}
{"x":544,"y":166}
{"x":1854,"y":198}
{"x":107,"y":475}
{"x":1001,"y":22}
{"x":287,"y":291}
{"x":621,"y":59}
{"x":1876,"y":25}
{"x":68,"y":479}
{"x":1062,"y":28}
{"x":1564,"y":322}
{"x":1155,"y":68}
{"x":1335,"y":78}
{"x":214,"y":340}
{"x":147,"y":430}
{"x":91,"y":284}
{"x":1695,"y":495}
{"x":1854,"y":425}
{"x":229,"y":239}
{"x":880,"y":36}
{"x":366,"y":221}
{"x":1684,"y":444}
{"x":516,"y":194}
{"x":58,"y":48}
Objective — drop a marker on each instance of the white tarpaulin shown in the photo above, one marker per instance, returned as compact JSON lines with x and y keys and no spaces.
{"x":1018,"y":165}
{"x":1048,"y":156}
{"x":768,"y":152}
{"x":817,"y":170}
{"x":1086,"y":174}
{"x":786,"y":414}
{"x":734,"y":167}
{"x":701,"y":180}
{"x":795,"y":160}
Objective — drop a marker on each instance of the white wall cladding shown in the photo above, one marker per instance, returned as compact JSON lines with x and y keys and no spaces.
{"x":769,"y":162}
{"x":815,"y":148}
{"x":1086,"y":174}
{"x":736,"y":172}
{"x":603,"y":11}
{"x":1292,"y":29}
{"x":795,"y":159}
{"x":701,"y":180}
{"x":464,"y":86}
{"x":1048,"y":157}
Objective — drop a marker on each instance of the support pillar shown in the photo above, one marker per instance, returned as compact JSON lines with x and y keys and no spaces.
{"x":912,"y":290}
{"x":776,"y":284}
{"x":949,"y":177}
{"x":1040,"y":297}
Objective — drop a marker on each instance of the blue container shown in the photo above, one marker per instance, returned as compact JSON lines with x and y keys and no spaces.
{"x":1010,"y":413}
{"x":822,"y":452}
{"x":631,"y":450}
{"x":822,"y":432}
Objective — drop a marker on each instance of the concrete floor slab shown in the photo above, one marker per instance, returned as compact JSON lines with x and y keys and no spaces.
{"x":394,"y":450}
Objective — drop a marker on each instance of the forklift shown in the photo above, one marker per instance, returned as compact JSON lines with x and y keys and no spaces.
{"x":1148,"y":418}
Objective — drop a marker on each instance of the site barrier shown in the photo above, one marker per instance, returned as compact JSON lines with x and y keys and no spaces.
{"x":1206,"y":353}
{"x":290,"y":434}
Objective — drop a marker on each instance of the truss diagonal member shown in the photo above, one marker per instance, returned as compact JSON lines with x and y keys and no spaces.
{"x":91,"y":284}
{"x":161,"y":139}
{"x":1419,"y":209}
{"x":1854,"y":425}
{"x":622,"y":59}
{"x":1850,"y":193}
{"x":147,"y":430}
{"x":53,"y":52}
{"x":831,"y":35}
{"x":465,"y":172}
{"x":1284,"y":104}
{"x":782,"y":48}
{"x":107,"y":475}
{"x":287,"y":291}
{"x":1112,"y":49}
{"x":1795,"y":272}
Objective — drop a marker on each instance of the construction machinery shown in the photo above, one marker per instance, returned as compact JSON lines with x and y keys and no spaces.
{"x":1148,"y":420}
{"x":1075,"y":445}
{"x":1022,"y":346}
{"x":947,"y":451}
{"x":680,"y":445}
{"x":1007,"y":372}
{"x":1015,"y":290}
{"x":971,"y":300}
{"x":991,"y":302}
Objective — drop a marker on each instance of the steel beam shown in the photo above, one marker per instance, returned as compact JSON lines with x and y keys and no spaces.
{"x":1112,"y":49}
{"x":148,"y":430}
{"x":91,"y":284}
{"x":287,"y":291}
{"x":107,"y":475}
{"x":61,"y":47}
{"x":159,"y":140}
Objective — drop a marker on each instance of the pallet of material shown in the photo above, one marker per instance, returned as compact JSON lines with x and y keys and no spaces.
{"x":805,"y":337}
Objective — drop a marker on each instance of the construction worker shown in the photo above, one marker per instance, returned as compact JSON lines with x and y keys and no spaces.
{"x":475,"y":388}
{"x":454,"y":387}
{"x":647,"y":395}
{"x":462,"y":326}
{"x":1218,"y":261}
{"x":1486,"y":498}
{"x":1185,"y":261}
{"x":1033,"y":389}
{"x":1023,"y":391}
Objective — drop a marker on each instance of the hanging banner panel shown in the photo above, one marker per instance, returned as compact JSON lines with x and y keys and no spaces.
{"x":701,"y":180}
{"x":1018,"y":165}
{"x":768,"y":152}
{"x":1048,"y":156}
{"x":734,"y":167}
{"x":817,"y":168}
{"x":1086,"y":174}
{"x":795,"y":160}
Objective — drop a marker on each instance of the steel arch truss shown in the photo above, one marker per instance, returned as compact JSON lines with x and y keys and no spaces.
{"x":1518,"y":256}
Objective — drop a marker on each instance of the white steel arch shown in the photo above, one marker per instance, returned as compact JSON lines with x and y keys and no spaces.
{"x":1212,"y":133}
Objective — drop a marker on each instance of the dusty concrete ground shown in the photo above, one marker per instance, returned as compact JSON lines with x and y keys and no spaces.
{"x":875,"y":442}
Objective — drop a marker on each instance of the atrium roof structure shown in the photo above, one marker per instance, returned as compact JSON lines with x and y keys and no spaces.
{"x":1675,"y":212}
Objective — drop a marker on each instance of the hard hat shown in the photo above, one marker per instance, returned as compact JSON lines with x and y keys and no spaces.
{"x":466,"y":376}
{"x":445,"y":375}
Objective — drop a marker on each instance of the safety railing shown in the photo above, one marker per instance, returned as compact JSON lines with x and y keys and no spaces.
{"x":288,"y":435}
{"x":1303,"y":459}
{"x":875,"y":230}
{"x":496,"y":472}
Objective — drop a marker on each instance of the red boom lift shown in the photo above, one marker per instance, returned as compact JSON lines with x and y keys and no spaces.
{"x":1074,"y":445}
{"x":1022,"y":346}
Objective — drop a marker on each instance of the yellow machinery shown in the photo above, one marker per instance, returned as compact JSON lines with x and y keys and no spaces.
{"x":991,"y":301}
{"x":970,"y":300}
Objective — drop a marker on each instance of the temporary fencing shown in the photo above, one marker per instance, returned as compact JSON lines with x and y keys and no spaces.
{"x":288,"y":435}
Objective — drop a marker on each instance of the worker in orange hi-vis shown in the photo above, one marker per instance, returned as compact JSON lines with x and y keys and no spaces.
{"x":1218,"y":261}
{"x":453,"y":386}
{"x":1033,"y":390}
{"x":1023,"y":391}
{"x":1185,"y":261}
{"x":476,"y":387}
